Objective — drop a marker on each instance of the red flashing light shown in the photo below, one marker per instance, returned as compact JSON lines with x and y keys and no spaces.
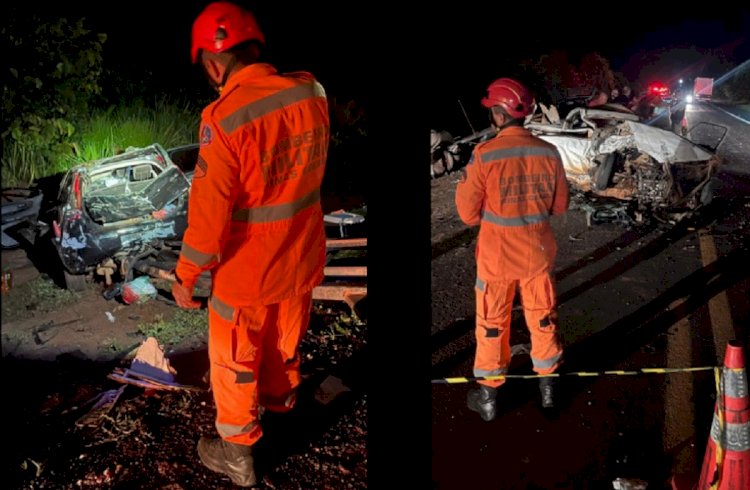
{"x":658,"y":89}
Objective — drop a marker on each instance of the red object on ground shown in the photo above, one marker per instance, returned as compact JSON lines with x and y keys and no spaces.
{"x":128,"y":295}
{"x":138,"y":290}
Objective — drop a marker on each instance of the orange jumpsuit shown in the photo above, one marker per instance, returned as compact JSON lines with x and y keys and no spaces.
{"x":255,"y":220}
{"x":511,"y":186}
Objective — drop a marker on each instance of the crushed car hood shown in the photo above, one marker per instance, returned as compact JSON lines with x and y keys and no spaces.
{"x":663,"y":146}
{"x":582,"y":148}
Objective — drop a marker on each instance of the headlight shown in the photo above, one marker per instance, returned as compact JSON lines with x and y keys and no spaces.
{"x":688,"y":98}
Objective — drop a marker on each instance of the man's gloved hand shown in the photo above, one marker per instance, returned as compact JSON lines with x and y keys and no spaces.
{"x":182,"y":295}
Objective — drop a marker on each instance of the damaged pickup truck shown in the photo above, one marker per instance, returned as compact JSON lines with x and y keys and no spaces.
{"x":114,"y":211}
{"x":620,"y":168}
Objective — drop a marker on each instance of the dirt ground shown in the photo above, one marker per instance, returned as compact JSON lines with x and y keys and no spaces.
{"x":58,"y":348}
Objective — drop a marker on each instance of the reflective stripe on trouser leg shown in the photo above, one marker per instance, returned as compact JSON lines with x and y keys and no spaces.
{"x":234,"y":356}
{"x":494,"y":306}
{"x":279,"y":368}
{"x":539,"y":306}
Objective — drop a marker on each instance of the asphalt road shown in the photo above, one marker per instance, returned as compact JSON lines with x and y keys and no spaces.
{"x":663,"y":295}
{"x":736,"y":145}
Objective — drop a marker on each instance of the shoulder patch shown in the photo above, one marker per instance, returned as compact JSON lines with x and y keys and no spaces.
{"x":207,"y":135}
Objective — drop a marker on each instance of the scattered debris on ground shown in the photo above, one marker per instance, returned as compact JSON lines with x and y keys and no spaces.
{"x":81,"y":432}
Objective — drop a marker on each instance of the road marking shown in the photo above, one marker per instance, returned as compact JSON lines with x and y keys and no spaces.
{"x":733,"y":115}
{"x":718,"y":306}
{"x":679,"y":415}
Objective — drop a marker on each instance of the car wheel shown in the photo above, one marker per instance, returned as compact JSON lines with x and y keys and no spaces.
{"x":75,"y":282}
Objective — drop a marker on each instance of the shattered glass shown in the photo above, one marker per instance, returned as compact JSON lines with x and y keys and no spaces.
{"x":109,"y":207}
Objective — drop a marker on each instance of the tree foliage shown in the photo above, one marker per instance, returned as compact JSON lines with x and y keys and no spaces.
{"x":557,"y":76}
{"x":51,"y":78}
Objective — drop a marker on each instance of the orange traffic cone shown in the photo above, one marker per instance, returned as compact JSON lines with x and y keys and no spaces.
{"x":726,"y":464}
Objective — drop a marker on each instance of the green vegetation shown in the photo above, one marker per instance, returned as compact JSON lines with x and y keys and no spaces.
{"x":349,"y":254}
{"x":343,"y":325}
{"x":106,"y":133}
{"x":40,"y":294}
{"x":54,"y":69}
{"x":112,"y":131}
{"x":54,"y":112}
{"x":111,"y":343}
{"x":184,"y":324}
{"x":61,"y":108}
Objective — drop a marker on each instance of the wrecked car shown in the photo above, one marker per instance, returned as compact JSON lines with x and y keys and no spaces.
{"x":611,"y":155}
{"x":126,"y":215}
{"x":20,"y":212}
{"x":113,"y":211}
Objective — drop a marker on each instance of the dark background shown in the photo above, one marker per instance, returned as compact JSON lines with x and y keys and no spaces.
{"x":150,"y":40}
{"x":645,"y":41}
{"x":408,"y":67}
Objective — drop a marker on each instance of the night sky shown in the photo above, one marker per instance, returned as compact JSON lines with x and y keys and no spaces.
{"x":453,"y":53}
{"x":149,"y":41}
{"x":645,"y":41}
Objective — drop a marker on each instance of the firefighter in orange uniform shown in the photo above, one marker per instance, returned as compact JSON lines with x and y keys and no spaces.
{"x":510,"y":188}
{"x":255,"y":221}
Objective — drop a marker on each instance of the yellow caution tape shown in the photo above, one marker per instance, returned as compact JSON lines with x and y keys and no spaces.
{"x":583,"y":374}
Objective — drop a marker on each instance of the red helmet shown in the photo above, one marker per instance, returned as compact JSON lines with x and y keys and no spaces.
{"x":511,"y":96}
{"x":222,"y":25}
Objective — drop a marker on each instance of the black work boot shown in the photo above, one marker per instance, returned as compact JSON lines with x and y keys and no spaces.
{"x":234,"y":460}
{"x":483,"y":400}
{"x":547,"y":388}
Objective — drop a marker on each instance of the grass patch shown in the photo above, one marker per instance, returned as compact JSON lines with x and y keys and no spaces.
{"x":40,"y":294}
{"x":342,"y":326}
{"x":183,"y":325}
{"x":112,"y":131}
{"x":23,"y":163}
{"x":350,"y":253}
{"x":111,"y":343}
{"x":103,"y":133}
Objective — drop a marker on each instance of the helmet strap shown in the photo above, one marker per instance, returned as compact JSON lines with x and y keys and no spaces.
{"x":218,"y":86}
{"x":227,"y":71}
